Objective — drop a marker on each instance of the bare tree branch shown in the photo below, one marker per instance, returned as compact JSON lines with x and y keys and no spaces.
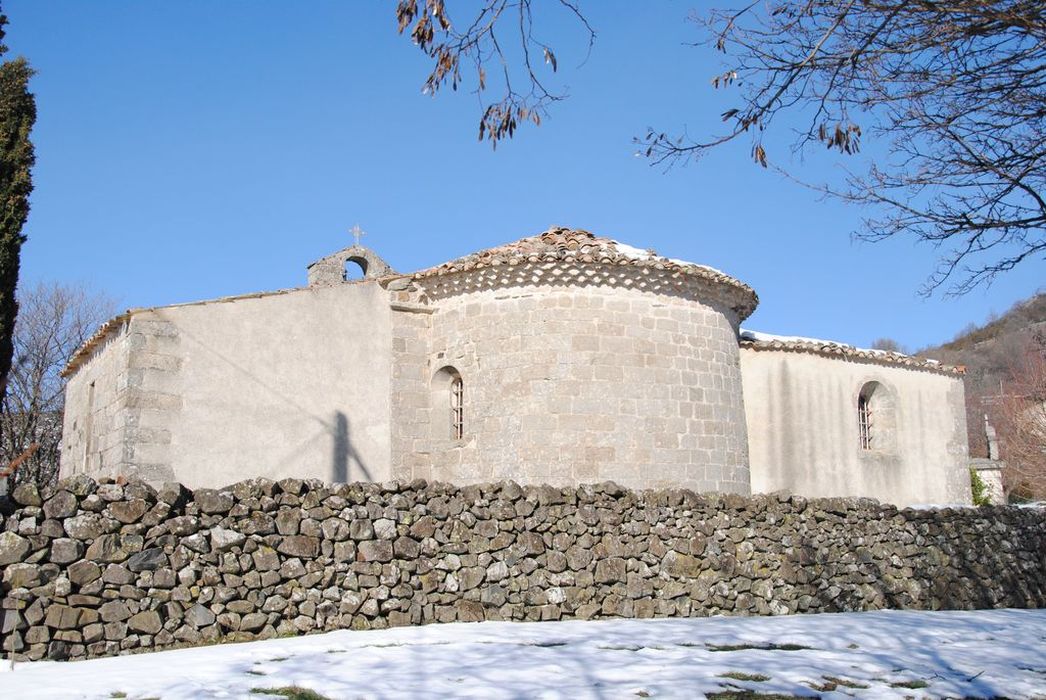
{"x":1021,"y":417}
{"x":478,"y":44}
{"x":53,"y":321}
{"x":954,"y":89}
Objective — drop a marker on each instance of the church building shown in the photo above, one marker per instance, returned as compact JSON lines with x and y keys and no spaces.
{"x":560,"y":358}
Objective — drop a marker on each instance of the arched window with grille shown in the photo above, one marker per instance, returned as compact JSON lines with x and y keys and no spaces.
{"x":876,"y":417}
{"x":447,"y":418}
{"x":864,"y":420}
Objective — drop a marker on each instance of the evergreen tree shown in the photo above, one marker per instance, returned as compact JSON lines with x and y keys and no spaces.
{"x":17,"y":115}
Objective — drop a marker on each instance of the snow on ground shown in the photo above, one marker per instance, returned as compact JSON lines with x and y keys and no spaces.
{"x":884,"y":654}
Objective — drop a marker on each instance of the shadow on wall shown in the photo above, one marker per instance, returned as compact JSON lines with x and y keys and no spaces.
{"x":342,"y":452}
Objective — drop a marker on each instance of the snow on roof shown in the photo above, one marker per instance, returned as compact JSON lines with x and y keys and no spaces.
{"x":794,"y":343}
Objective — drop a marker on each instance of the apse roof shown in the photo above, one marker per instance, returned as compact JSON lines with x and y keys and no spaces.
{"x":561,"y":244}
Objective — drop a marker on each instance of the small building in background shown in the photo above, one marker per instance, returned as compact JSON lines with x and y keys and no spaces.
{"x":990,"y":468}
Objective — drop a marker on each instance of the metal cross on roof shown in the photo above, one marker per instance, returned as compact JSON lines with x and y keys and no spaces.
{"x":357,"y":232}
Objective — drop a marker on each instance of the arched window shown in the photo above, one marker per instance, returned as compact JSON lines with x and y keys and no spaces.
{"x":448,"y":405}
{"x":876,"y":419}
{"x":864,"y":420}
{"x":355,"y":269}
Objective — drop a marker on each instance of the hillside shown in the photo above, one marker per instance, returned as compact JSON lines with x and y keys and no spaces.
{"x":987,"y":352}
{"x":1029,"y":314}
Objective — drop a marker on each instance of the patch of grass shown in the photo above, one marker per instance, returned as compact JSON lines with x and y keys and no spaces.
{"x":738,"y":676}
{"x":760,"y":647}
{"x":291,"y":692}
{"x":831,"y":683}
{"x":279,"y":658}
{"x":117,"y":694}
{"x":257,"y":673}
{"x":911,"y":685}
{"x":621,"y":647}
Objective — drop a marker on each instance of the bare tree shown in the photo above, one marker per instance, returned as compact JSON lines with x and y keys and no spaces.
{"x":53,"y":321}
{"x":955,"y":90}
{"x":888,"y":344}
{"x":1021,"y":416}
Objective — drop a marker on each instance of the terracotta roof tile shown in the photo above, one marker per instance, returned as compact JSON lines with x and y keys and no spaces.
{"x":88,"y":346}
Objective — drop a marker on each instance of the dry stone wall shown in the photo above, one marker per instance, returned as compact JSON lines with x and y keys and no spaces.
{"x":96,"y":569}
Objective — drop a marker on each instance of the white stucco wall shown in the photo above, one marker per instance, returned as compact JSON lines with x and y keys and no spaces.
{"x":292,"y":384}
{"x":580,"y":384}
{"x":803,"y":436}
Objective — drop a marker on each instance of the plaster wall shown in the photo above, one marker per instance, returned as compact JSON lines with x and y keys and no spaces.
{"x":580,"y":384}
{"x":292,"y":384}
{"x":803,"y":435}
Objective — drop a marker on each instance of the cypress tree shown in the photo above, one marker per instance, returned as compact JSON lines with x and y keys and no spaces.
{"x":17,"y":115}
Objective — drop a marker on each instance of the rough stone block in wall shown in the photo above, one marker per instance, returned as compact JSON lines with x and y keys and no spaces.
{"x":596,"y":358}
{"x":100,"y":568}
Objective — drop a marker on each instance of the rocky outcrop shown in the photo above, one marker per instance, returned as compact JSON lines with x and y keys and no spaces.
{"x":96,"y":569}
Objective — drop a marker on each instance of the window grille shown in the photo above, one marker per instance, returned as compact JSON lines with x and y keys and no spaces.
{"x":864,"y":421}
{"x":457,"y":409}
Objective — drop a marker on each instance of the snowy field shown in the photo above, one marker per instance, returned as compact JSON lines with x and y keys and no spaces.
{"x":888,"y":654}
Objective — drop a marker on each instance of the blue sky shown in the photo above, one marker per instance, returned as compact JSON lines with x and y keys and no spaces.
{"x":198,"y":149}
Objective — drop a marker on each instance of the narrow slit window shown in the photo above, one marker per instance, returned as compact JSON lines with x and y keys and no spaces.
{"x":457,"y":409}
{"x":89,"y":428}
{"x":864,"y":421}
